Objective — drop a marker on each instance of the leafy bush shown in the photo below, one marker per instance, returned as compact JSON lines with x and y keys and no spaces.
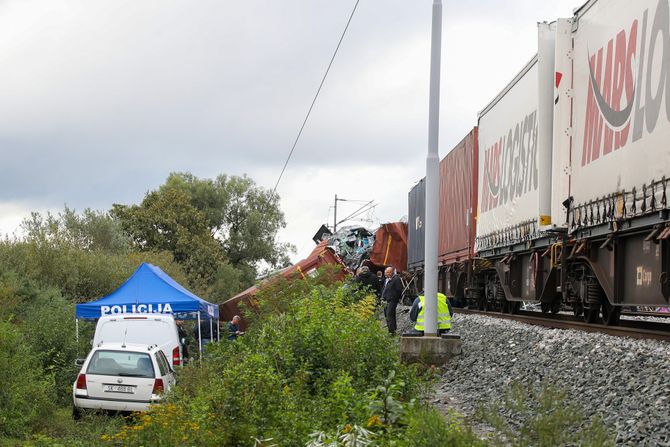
{"x":26,"y":394}
{"x":80,"y":275}
{"x":428,"y":428}
{"x":49,"y":328}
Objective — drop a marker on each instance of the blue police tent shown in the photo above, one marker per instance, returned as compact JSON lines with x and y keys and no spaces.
{"x":150,"y":290}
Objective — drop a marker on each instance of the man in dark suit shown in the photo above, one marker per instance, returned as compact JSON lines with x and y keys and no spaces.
{"x":366,"y":278}
{"x":391,"y":293}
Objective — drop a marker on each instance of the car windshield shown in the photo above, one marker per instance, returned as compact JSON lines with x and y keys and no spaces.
{"x":121,"y":363}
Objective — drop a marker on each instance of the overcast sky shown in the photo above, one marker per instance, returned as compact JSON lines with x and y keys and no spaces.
{"x":101,"y":99}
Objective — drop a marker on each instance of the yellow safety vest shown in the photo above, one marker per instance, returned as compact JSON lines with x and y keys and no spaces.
{"x":443,"y":316}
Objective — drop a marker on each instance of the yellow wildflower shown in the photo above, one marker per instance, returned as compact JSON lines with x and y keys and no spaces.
{"x":375,"y":421}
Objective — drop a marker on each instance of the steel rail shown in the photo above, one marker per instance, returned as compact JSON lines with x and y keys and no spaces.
{"x":627,"y":328}
{"x":646,"y":314}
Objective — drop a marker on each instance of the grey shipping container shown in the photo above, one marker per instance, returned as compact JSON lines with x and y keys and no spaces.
{"x":415,"y":224}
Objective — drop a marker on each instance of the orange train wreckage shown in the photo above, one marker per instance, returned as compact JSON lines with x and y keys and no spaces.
{"x":389,"y":248}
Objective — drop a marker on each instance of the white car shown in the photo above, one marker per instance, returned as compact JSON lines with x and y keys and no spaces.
{"x":122,"y":377}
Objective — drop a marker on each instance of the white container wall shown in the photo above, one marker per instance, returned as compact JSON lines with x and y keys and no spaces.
{"x":515,"y":141}
{"x":546,"y":44}
{"x":621,"y":105}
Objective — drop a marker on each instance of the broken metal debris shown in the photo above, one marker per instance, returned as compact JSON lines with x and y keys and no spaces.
{"x":352,"y":244}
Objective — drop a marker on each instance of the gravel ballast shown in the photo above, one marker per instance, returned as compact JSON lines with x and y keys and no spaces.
{"x":625,"y":381}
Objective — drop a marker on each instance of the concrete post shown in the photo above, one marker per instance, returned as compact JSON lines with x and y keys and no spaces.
{"x":433,"y":176}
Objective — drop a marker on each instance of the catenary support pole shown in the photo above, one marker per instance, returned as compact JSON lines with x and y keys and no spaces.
{"x":335,"y":216}
{"x":76,"y":325}
{"x":199,"y":337}
{"x":433,"y":176}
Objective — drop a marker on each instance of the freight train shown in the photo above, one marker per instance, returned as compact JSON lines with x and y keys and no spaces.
{"x":559,"y":194}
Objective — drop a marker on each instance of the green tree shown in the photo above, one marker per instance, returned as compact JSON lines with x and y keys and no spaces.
{"x":90,"y":230}
{"x":242,"y":215}
{"x":84,"y":256}
{"x":219,"y":230}
{"x":167,"y":221}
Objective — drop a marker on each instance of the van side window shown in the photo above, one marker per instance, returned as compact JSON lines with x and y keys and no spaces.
{"x":162,"y":363}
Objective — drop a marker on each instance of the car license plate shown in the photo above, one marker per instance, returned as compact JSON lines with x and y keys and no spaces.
{"x":119,"y":389}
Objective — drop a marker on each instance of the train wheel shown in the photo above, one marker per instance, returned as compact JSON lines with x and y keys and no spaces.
{"x":482,"y":302}
{"x":577,"y":309}
{"x":504,"y":306}
{"x":514,"y":307}
{"x":545,"y":307}
{"x":611,"y":314}
{"x":556,"y":307}
{"x":595,"y":297}
{"x":592,"y":313}
{"x":500,"y":302}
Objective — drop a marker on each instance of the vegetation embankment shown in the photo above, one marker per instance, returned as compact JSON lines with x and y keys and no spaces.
{"x":210,"y":235}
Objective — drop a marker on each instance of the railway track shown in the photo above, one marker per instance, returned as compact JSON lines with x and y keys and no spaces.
{"x":626,"y":328}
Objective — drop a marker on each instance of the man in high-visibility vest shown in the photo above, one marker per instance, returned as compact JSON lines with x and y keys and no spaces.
{"x":418,"y":311}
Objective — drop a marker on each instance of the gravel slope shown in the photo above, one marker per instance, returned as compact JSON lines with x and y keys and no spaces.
{"x":624,"y":380}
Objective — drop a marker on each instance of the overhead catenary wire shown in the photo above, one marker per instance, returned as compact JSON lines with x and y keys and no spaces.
{"x":309,"y":111}
{"x":359,"y":211}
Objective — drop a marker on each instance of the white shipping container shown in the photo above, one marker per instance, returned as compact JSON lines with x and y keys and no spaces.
{"x":515,"y":140}
{"x":621,"y":105}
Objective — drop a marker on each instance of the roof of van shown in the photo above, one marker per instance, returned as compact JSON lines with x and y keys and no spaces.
{"x":129,"y":316}
{"x":139,"y":347}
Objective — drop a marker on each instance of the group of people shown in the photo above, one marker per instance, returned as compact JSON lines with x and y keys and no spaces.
{"x":390,"y":289}
{"x":207,"y":333}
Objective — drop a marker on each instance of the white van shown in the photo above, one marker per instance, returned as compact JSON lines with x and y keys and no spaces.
{"x":147,"y":329}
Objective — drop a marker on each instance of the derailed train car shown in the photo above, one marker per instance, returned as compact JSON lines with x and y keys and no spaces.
{"x":571,"y":172}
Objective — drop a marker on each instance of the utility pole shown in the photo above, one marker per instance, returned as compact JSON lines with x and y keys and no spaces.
{"x":335,"y":216}
{"x":433,"y":177}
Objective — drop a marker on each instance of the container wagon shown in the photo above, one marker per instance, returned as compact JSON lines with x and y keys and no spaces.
{"x":415,"y":227}
{"x":514,"y":224}
{"x":616,"y":251}
{"x":572,"y":172}
{"x":457,"y":218}
{"x":458,"y":205}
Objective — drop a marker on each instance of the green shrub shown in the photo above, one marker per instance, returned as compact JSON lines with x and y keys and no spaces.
{"x":80,"y":275}
{"x":26,"y":395}
{"x":429,"y":428}
{"x":49,"y":328}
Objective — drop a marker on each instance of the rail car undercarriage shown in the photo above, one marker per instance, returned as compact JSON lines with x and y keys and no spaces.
{"x":594,"y":272}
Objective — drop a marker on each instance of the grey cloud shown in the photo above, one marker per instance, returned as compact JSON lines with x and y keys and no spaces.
{"x":99,"y":101}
